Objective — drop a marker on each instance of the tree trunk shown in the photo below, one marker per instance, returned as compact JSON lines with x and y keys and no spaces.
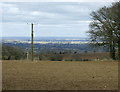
{"x":118,"y":50}
{"x":113,"y":53}
{"x":114,"y":56}
{"x":112,"y":50}
{"x":112,"y":45}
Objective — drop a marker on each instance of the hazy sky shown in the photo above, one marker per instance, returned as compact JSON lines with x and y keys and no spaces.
{"x":55,"y":19}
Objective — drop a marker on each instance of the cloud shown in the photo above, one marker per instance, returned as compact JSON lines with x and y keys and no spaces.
{"x":21,"y":13}
{"x":13,"y":10}
{"x":84,"y":21}
{"x":9,"y":8}
{"x":74,"y":8}
{"x":35,"y":13}
{"x":57,"y":1}
{"x":46,"y":14}
{"x":6,"y":5}
{"x":60,"y":18}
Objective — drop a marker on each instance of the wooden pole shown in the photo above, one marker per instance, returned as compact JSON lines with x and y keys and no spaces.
{"x":32,"y":42}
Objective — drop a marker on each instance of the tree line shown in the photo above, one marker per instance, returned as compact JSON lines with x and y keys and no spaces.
{"x":16,"y":53}
{"x":12,"y":53}
{"x":104,"y":30}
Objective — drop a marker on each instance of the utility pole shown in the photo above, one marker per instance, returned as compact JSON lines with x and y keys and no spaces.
{"x":32,"y":54}
{"x":32,"y":41}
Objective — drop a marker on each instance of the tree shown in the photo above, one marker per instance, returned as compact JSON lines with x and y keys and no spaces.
{"x":105,"y":28}
{"x":115,"y":17}
{"x":12,"y":52}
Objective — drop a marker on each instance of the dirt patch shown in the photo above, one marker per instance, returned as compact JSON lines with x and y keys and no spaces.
{"x":59,"y":75}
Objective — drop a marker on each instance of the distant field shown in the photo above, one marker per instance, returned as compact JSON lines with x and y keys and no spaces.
{"x":89,"y":56}
{"x":60,"y":75}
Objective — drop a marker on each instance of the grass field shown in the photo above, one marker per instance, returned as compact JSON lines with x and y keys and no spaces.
{"x":60,"y":75}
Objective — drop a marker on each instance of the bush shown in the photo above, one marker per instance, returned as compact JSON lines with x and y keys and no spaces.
{"x":86,"y":59}
{"x":68,"y":60}
{"x":5,"y":57}
{"x":12,"y":57}
{"x":55,"y":57}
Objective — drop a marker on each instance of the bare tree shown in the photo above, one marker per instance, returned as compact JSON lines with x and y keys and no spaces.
{"x":105,"y":28}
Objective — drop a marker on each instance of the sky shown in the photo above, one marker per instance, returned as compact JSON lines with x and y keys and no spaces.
{"x":53,"y":19}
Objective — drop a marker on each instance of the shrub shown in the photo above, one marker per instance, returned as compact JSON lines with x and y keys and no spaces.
{"x":55,"y":57}
{"x":5,"y":57}
{"x":12,"y":57}
{"x":86,"y":59}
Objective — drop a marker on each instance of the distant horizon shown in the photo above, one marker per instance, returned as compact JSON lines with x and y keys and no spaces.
{"x":41,"y":37}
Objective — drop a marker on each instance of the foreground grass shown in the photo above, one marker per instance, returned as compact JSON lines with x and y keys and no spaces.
{"x":60,"y":75}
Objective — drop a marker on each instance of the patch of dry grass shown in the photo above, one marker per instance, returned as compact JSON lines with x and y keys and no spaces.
{"x":60,"y":75}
